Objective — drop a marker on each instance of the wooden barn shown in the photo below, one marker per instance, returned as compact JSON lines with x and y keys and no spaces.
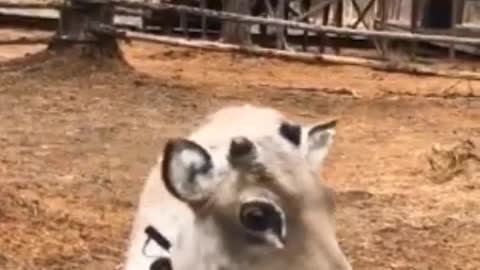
{"x":445,"y":17}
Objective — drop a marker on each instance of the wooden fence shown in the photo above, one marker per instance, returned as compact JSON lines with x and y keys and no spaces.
{"x":377,"y":33}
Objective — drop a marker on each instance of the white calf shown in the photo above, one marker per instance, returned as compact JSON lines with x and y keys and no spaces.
{"x":241,"y":192}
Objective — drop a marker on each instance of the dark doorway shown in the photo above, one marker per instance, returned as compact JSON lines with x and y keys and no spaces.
{"x":437,"y":14}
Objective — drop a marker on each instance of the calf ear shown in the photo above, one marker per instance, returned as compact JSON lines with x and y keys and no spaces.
{"x":186,"y":169}
{"x":316,"y":142}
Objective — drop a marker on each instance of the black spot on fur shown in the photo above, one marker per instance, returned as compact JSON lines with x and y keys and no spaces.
{"x":159,"y":238}
{"x":291,"y":132}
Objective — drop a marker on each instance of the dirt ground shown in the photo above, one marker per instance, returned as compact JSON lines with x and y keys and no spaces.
{"x":78,"y":139}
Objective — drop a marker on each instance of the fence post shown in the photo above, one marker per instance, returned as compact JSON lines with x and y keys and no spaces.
{"x":74,"y":29}
{"x":281,"y":31}
{"x":236,"y":32}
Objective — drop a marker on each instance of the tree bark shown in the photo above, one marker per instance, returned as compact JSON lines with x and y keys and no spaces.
{"x":74,"y":30}
{"x":235,"y":32}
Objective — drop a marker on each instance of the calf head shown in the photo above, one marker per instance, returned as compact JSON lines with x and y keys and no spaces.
{"x":258,"y":203}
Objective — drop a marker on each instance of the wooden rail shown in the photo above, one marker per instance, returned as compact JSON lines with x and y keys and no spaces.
{"x":299,"y":56}
{"x":31,"y":5}
{"x":25,"y":41}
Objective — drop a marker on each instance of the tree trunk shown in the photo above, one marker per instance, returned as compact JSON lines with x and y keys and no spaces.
{"x":234,"y":32}
{"x":74,"y":30}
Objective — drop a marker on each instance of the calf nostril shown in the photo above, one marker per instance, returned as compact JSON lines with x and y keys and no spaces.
{"x":161,"y":264}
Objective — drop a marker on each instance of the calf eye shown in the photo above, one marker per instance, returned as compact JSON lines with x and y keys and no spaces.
{"x":254,"y":218}
{"x":260,"y":217}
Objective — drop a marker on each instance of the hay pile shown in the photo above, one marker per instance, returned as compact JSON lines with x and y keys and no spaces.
{"x":460,"y":160}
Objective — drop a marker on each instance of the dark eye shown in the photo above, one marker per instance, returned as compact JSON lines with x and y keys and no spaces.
{"x":260,"y":216}
{"x":254,"y":218}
